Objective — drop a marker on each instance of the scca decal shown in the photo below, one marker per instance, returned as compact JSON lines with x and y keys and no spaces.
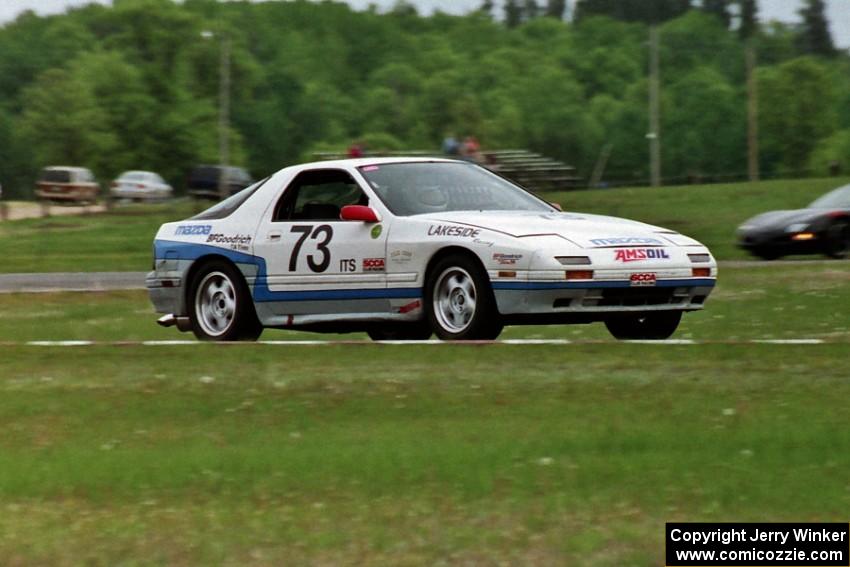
{"x":193,"y":230}
{"x":638,"y":254}
{"x":641,"y":280}
{"x":374,"y":264}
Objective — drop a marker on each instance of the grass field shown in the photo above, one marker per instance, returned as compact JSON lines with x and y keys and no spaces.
{"x":380,"y":455}
{"x":411,"y":455}
{"x":121,"y":240}
{"x":762,"y":302}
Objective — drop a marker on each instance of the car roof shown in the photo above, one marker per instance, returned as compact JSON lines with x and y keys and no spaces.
{"x":366,"y":161}
{"x":66,"y":167}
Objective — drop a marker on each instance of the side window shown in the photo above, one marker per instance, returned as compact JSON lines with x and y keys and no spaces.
{"x":319,"y":195}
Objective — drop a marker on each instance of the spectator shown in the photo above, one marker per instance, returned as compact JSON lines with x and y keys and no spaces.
{"x":451,"y":147}
{"x":356,"y":150}
{"x":471,"y":150}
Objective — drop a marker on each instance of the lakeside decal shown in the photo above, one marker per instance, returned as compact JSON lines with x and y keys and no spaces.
{"x":193,"y":230}
{"x":639,"y":254}
{"x":374,"y":264}
{"x":624,"y":241}
{"x":507,"y":259}
{"x":451,"y":230}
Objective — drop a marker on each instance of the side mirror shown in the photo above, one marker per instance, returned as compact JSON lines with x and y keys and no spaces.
{"x":359,"y":213}
{"x":557,"y":206}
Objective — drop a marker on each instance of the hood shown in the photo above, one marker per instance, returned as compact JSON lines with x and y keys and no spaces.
{"x":780,"y":219}
{"x":586,"y":231}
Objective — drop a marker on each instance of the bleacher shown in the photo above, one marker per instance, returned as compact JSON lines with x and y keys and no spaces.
{"x":529,"y":169}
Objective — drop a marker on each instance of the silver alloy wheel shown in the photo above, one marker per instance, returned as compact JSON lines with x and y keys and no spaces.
{"x":454,"y":299}
{"x":215,"y":303}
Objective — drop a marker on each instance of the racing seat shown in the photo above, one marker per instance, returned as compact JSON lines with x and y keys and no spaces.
{"x":319,"y":211}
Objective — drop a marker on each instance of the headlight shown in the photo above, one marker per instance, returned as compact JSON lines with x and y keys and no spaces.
{"x":796,"y":227}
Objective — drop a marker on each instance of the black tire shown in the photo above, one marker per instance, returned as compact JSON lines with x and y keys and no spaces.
{"x":768,"y":255}
{"x":419,"y":331}
{"x":220,"y":305}
{"x":838,"y":241}
{"x":459,"y":301}
{"x":655,"y":326}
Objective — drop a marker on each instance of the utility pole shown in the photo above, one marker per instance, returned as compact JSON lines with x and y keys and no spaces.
{"x":752,"y":114}
{"x":224,"y":118}
{"x":654,"y":134}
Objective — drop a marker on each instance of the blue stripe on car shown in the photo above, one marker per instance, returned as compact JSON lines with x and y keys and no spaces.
{"x":262,"y":293}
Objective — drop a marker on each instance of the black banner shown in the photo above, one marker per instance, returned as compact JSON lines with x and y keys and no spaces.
{"x":760,"y":545}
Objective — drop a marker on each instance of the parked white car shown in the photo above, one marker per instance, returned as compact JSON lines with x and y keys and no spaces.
{"x":141,"y":186}
{"x":402,"y":248}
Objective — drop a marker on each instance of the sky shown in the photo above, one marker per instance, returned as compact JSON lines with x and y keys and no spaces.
{"x":782,"y":10}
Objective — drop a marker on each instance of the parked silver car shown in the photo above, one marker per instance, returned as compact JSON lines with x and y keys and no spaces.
{"x":141,"y":186}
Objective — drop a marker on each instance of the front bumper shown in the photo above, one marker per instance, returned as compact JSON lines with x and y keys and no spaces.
{"x":780,"y":241}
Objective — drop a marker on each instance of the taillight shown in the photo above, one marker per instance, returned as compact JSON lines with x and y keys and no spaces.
{"x":579,"y":274}
{"x":701,"y":272}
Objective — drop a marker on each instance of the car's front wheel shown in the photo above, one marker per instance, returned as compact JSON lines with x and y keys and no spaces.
{"x":838,"y":241}
{"x":655,"y":326}
{"x":221,"y":307}
{"x":460,"y":301}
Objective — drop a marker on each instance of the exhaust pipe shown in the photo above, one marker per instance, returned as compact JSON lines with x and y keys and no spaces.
{"x":182,"y":323}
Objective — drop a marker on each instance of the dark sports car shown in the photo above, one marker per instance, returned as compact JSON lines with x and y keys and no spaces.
{"x":821,"y":228}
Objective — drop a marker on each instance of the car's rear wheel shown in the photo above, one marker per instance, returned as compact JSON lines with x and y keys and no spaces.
{"x":644,"y":326}
{"x":838,"y":241}
{"x":220,"y":305}
{"x":419,"y":331}
{"x":460,"y":302}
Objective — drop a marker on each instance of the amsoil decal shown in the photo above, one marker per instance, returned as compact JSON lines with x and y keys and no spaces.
{"x":507,"y":259}
{"x":639,"y":254}
{"x":374,"y":264}
{"x":624,"y":241}
{"x":193,"y":230}
{"x":643,"y":280}
{"x":448,"y":230}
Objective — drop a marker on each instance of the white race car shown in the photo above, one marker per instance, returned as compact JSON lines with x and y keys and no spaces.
{"x":402,"y":248}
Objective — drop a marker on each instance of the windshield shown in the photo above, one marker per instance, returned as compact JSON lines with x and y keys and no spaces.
{"x":418,"y":188}
{"x":837,"y":199}
{"x":225,"y":208}
{"x":56,"y":176}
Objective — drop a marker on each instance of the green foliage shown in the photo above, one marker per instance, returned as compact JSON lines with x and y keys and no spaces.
{"x":797,"y":109}
{"x":815,"y":38}
{"x":136,"y":85}
{"x":832,"y":153}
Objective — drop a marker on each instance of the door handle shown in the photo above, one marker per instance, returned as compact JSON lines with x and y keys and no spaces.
{"x":274,"y":236}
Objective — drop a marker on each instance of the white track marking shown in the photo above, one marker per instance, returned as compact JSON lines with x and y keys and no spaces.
{"x":790,"y":341}
{"x":508,"y":342}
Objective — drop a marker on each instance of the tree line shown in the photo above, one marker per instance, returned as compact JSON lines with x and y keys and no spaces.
{"x":135,"y":85}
